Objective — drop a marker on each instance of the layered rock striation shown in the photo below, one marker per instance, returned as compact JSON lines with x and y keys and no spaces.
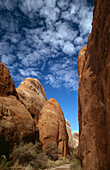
{"x":52,"y":126}
{"x":94,"y":92}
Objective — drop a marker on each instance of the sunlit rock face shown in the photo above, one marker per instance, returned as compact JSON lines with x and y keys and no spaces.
{"x":73,"y":140}
{"x":32,"y":95}
{"x":70,"y":138}
{"x":16,"y":122}
{"x":52,"y":126}
{"x":94,"y":92}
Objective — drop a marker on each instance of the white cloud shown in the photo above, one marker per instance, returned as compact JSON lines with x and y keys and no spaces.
{"x":31,"y":60}
{"x":65,"y":32}
{"x":79,"y":40}
{"x":49,"y":13}
{"x":63,"y":74}
{"x":8,"y":4}
{"x":29,"y":7}
{"x":63,"y":4}
{"x":68,"y":48}
{"x":9,"y":59}
{"x":50,"y":3}
{"x":29,"y":72}
{"x":54,"y":29}
{"x":85,"y":15}
{"x":50,"y":79}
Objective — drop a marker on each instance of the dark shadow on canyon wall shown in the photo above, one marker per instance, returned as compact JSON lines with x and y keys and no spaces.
{"x":94,"y":92}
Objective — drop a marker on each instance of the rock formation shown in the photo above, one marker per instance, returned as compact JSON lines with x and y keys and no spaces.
{"x":32,"y":95}
{"x":26,"y":114}
{"x":75,"y":139}
{"x":76,"y":135}
{"x":16,"y":122}
{"x":94,"y":92}
{"x":70,"y":138}
{"x":7,"y":86}
{"x":52,"y":126}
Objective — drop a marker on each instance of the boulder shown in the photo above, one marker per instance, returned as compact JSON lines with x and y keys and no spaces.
{"x":16,"y":123}
{"x":32,"y":95}
{"x":94,"y":92}
{"x":52,"y":126}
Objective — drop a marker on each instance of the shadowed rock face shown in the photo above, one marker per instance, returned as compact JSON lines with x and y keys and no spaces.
{"x":52,"y":126}
{"x":16,"y":122}
{"x":7,"y":86}
{"x":32,"y":95}
{"x":94,"y":92}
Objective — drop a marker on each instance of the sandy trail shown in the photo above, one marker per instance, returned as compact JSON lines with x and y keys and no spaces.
{"x":65,"y":167}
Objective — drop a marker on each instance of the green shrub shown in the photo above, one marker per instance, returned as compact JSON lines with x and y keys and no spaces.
{"x":75,"y":163}
{"x":4,"y":164}
{"x":29,"y":154}
{"x":52,"y":151}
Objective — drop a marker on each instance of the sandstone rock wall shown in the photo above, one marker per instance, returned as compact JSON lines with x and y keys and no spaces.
{"x":7,"y":86}
{"x":70,"y":138}
{"x":32,"y":95}
{"x":73,"y":140}
{"x":52,"y":126}
{"x":26,"y":114}
{"x":94,"y":92}
{"x":16,"y":122}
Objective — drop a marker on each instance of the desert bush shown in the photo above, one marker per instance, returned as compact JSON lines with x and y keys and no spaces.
{"x":74,"y":163}
{"x":52,"y":151}
{"x":59,"y":162}
{"x":4,"y":164}
{"x":29,"y":154}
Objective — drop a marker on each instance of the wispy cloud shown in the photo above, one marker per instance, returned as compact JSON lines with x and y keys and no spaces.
{"x":42,"y":38}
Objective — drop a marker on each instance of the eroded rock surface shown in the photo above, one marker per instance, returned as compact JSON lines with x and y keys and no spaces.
{"x":16,"y":122}
{"x":32,"y":95}
{"x":75,"y":139}
{"x":94,"y":92}
{"x":70,"y":138}
{"x":7,"y":86}
{"x":52,"y":126}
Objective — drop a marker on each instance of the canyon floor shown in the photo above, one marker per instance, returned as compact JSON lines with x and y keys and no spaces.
{"x":65,"y":167}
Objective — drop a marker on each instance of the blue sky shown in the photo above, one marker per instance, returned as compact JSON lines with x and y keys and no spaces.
{"x":41,"y":39}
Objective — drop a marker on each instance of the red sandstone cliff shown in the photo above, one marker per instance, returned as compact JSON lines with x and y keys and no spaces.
{"x":16,"y":122}
{"x":94,"y":92}
{"x":70,"y":138}
{"x":52,"y":126}
{"x":26,"y":114}
{"x":32,"y":95}
{"x":73,"y":140}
